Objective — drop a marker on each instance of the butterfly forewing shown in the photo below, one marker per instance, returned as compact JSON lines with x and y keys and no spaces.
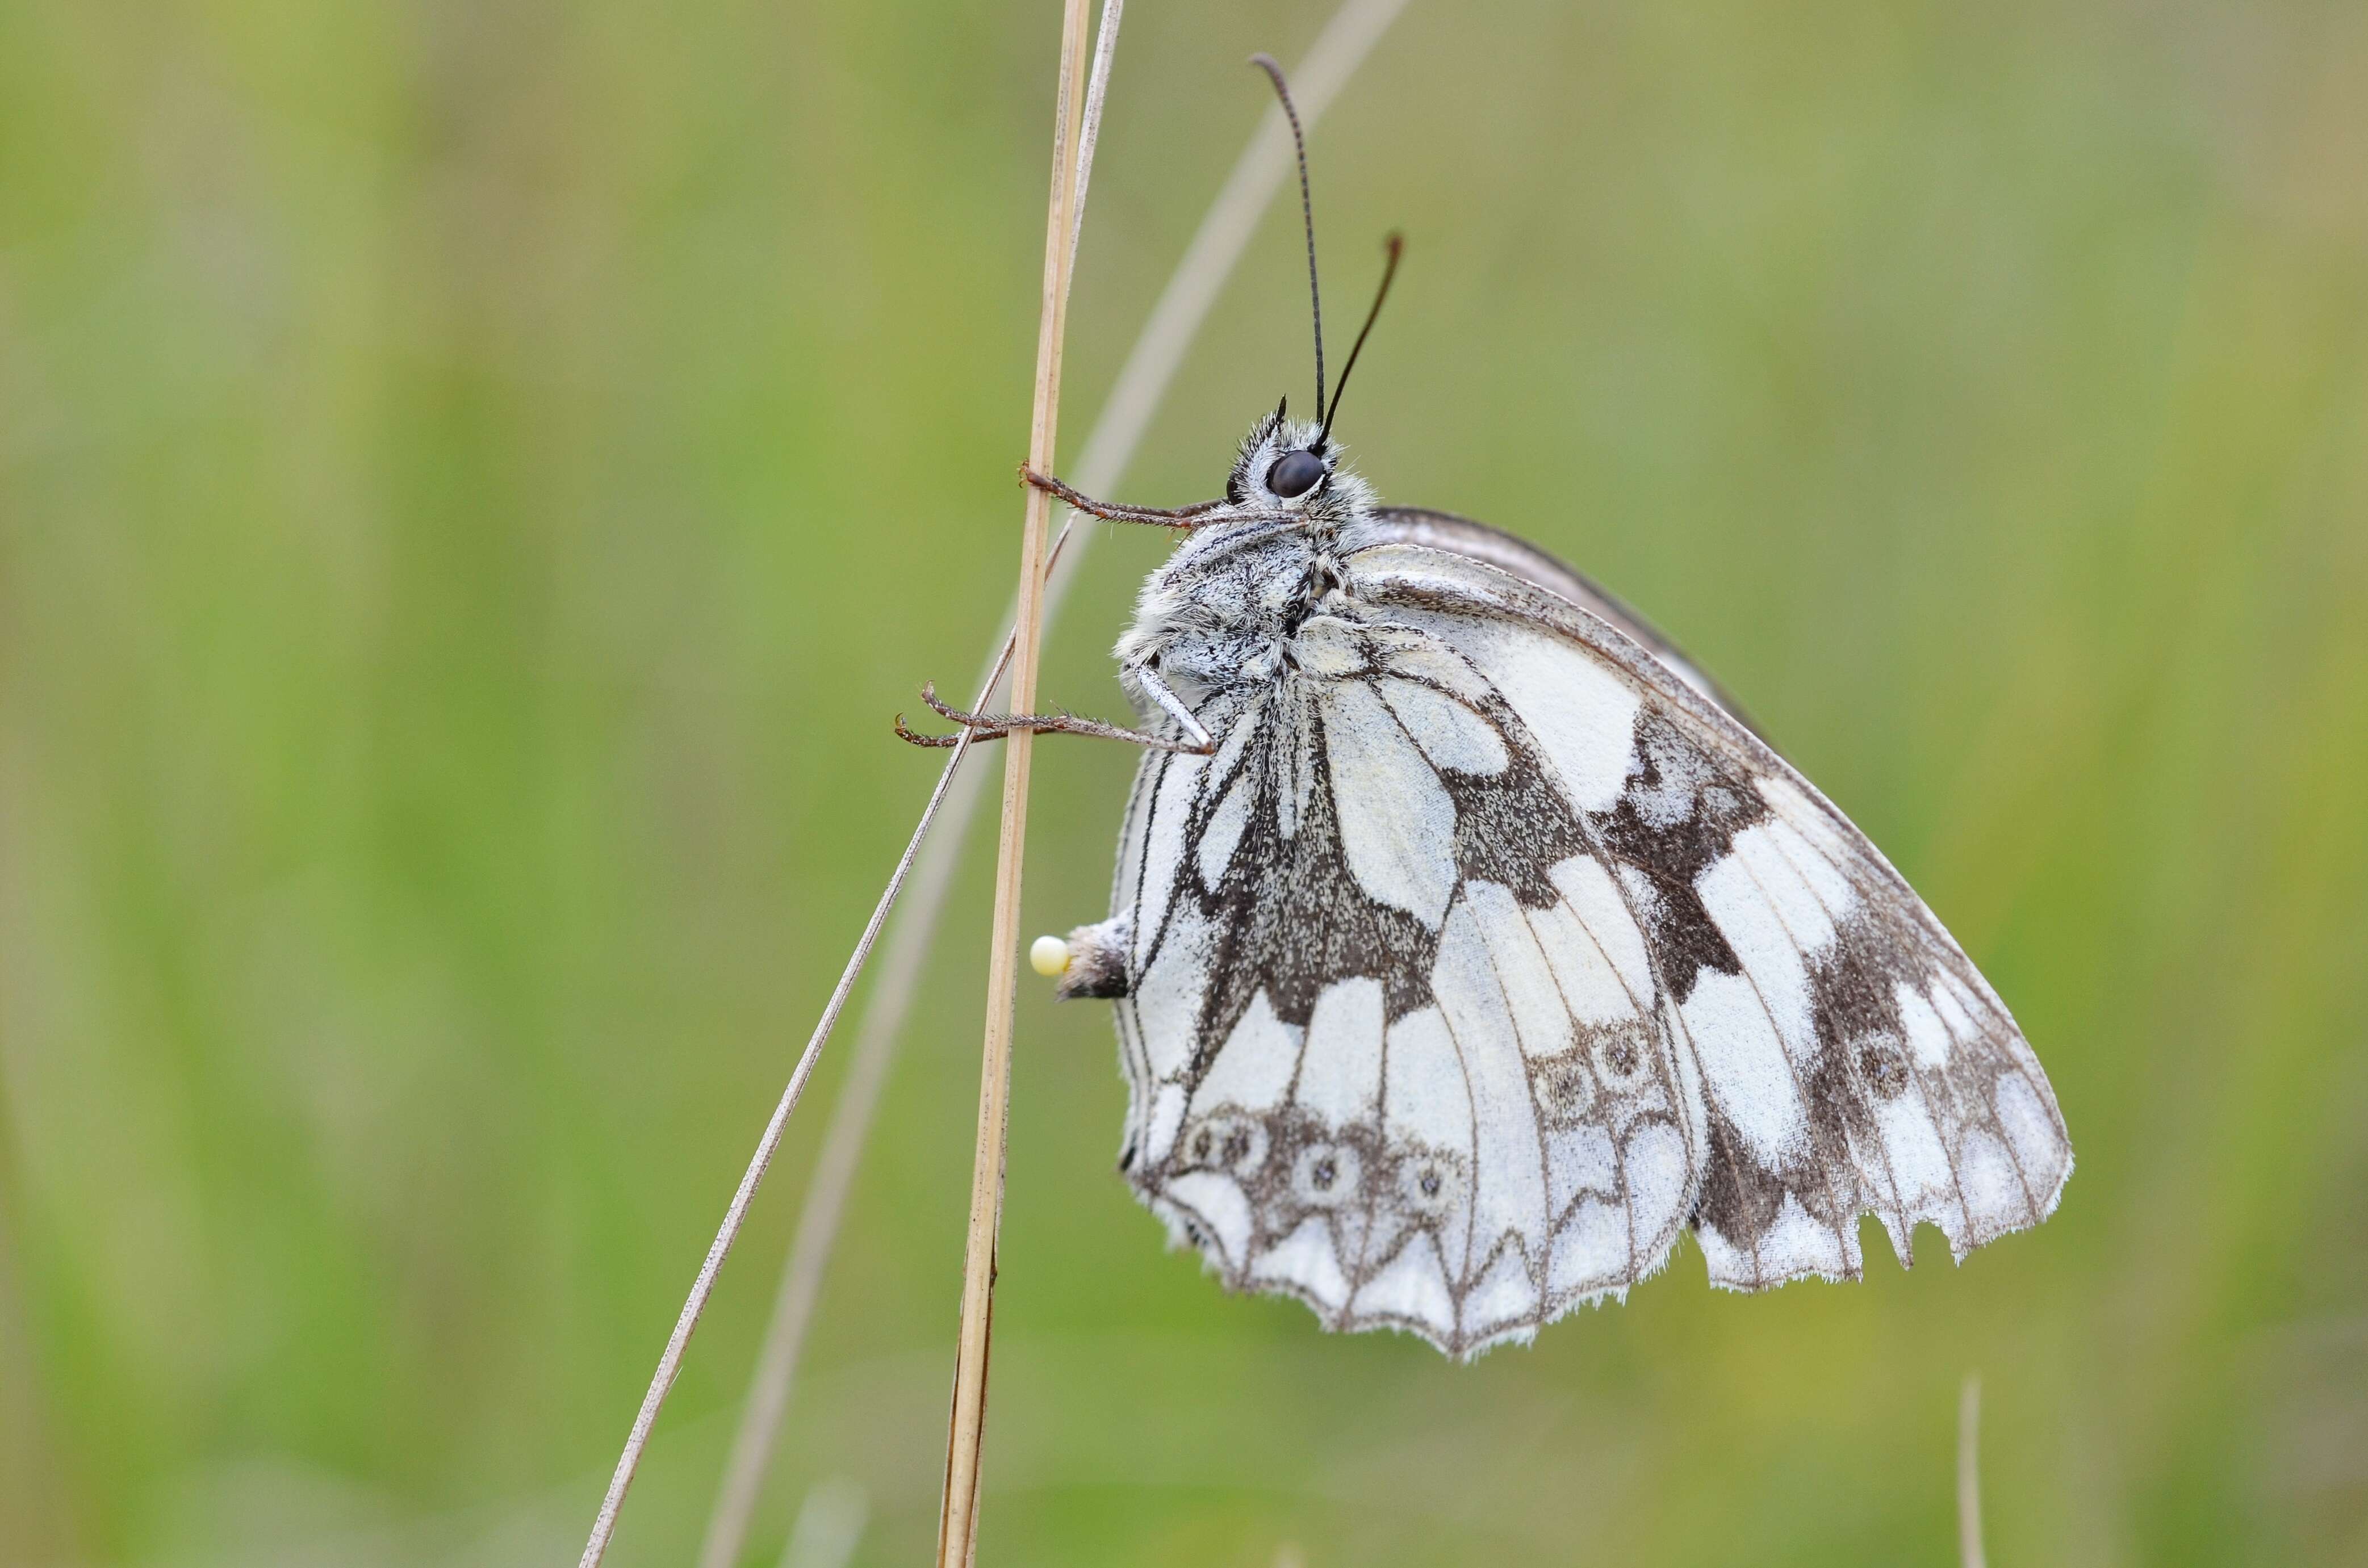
{"x":1852,"y":1061}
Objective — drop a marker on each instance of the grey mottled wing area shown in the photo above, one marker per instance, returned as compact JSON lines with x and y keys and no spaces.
{"x":1851,"y":1060}
{"x":1509,"y":552}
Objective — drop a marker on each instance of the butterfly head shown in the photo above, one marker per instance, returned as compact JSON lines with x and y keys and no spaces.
{"x":1292,"y":470}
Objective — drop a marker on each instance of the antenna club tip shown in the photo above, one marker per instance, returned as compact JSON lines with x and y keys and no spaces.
{"x":1273,"y":69}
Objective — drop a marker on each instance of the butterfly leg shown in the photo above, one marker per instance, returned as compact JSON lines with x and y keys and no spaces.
{"x":994,"y":726}
{"x":1161,"y":693}
{"x":1198,"y":515}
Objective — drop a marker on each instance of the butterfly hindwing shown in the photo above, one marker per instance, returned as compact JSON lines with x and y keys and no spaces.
{"x":1393,"y":1035}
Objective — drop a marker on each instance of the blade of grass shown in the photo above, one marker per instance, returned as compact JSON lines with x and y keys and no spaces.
{"x":1151,"y":367}
{"x":957,"y":1517}
{"x":1097,"y":94}
{"x":1969,"y":1472}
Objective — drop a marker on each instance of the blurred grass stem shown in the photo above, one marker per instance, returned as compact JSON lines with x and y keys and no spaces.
{"x":1150,"y":369}
{"x":957,"y":1517}
{"x":1969,"y":1472}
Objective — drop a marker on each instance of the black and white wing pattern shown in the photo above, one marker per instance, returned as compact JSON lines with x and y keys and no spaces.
{"x":1488,"y":952}
{"x":1391,"y":1035}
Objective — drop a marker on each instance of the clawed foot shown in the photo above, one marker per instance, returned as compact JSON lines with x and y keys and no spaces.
{"x":982,"y":726}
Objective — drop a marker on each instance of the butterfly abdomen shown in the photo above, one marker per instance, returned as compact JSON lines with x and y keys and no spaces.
{"x":1096,"y":962}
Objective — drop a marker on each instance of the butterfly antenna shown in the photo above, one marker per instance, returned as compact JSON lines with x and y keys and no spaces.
{"x":1396,"y":245}
{"x":1306,"y":209}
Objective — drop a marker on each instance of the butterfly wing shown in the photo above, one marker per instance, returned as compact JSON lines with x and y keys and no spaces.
{"x":1392,"y":1031}
{"x":1850,"y":1058}
{"x":1489,"y":950}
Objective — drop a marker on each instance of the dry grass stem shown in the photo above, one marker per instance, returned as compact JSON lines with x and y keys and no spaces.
{"x":792,"y":1311}
{"x":842,"y":1148}
{"x":850,"y":1124}
{"x":1151,"y":367}
{"x":1097,"y":94}
{"x":670,"y":1362}
{"x":958,"y":1521}
{"x":1969,"y":1472}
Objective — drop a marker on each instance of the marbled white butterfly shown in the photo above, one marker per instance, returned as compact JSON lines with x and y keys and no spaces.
{"x":1468,"y":944}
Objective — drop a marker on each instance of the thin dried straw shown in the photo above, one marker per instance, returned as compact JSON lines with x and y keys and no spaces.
{"x":834,"y":1172}
{"x":670,"y":1363}
{"x":1068,"y":191}
{"x":817,"y":1230}
{"x":1096,"y":93}
{"x":958,"y":1521}
{"x":1969,"y":1472}
{"x":1151,"y":367}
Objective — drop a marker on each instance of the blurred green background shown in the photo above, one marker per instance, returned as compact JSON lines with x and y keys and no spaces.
{"x":475,"y":480}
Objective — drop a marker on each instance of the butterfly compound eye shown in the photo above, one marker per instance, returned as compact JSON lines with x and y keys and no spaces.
{"x":1294,"y":474}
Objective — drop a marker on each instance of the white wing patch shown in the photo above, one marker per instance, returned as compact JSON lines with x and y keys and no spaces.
{"x":1340,"y":1071}
{"x":1167,"y":784}
{"x":1254,"y":1069}
{"x":1517,"y":972}
{"x":1450,"y":734}
{"x":1399,"y":830}
{"x":1596,"y":903}
{"x":1752,"y":1081}
{"x":1580,"y":711}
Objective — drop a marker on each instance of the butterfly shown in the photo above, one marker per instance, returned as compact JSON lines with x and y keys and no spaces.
{"x":1469,"y":945}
